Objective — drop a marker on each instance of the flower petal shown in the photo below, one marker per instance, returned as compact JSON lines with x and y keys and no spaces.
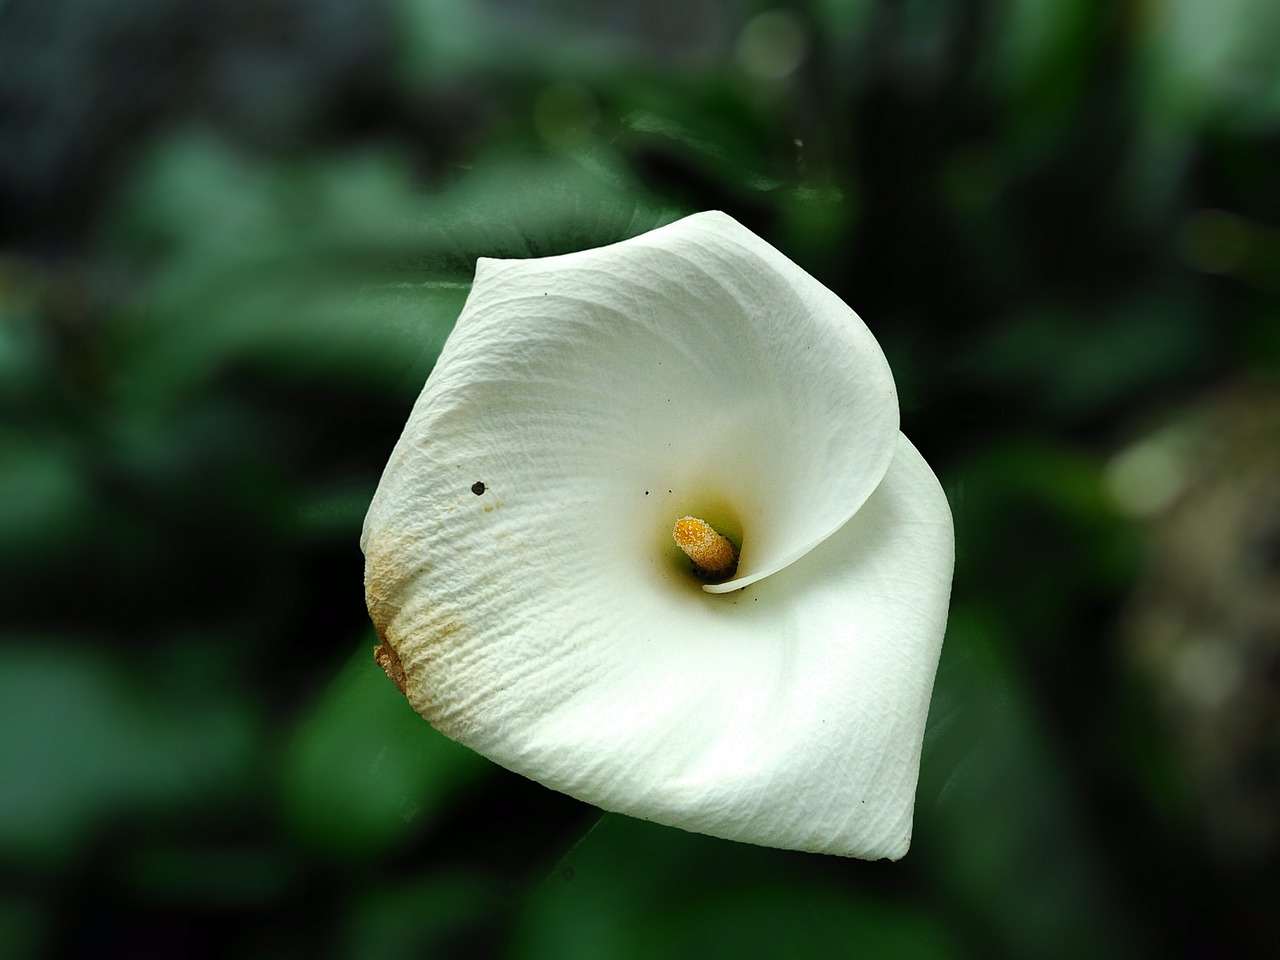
{"x":519,"y":556}
{"x":691,"y":370}
{"x":788,"y":714}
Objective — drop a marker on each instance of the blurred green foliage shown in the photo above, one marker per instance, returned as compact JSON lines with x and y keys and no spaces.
{"x":236,"y":238}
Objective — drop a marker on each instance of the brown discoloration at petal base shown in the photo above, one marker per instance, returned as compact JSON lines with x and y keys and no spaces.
{"x":385,"y":574}
{"x":414,"y":643}
{"x":434,"y":639}
{"x":389,"y":661}
{"x":385,"y":577}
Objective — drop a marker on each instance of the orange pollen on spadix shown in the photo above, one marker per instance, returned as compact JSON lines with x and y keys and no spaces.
{"x":710,"y":552}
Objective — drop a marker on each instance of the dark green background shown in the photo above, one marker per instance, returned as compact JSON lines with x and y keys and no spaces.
{"x":233,"y":237}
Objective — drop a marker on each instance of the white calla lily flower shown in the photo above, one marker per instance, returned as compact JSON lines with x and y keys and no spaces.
{"x":529,"y":593}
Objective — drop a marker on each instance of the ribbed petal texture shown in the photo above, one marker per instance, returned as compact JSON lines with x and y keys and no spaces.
{"x":550,"y":622}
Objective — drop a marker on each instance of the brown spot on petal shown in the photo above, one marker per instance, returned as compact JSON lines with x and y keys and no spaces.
{"x":389,"y":661}
{"x":419,"y":635}
{"x":436,"y":639}
{"x":386,"y":570}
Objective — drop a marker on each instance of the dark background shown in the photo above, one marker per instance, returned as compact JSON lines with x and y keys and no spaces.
{"x":232,"y":239}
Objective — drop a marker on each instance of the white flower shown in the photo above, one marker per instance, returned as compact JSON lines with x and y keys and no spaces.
{"x":521,"y":566}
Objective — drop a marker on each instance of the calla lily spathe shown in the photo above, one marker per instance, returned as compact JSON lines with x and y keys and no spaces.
{"x":520,"y":562}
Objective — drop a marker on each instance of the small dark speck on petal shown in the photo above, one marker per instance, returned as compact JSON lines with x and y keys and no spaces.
{"x":477,"y":488}
{"x":646,"y":493}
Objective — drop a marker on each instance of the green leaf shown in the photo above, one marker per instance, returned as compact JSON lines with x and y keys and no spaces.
{"x":85,"y":746}
{"x":632,"y":889}
{"x":364,"y":771}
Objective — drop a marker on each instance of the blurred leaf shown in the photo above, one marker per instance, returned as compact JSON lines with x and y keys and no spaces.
{"x":22,"y":356}
{"x":208,"y":874}
{"x":514,"y":204}
{"x":277,"y":266}
{"x":1040,"y":56}
{"x":443,"y":40}
{"x":1214,"y":60}
{"x":1075,"y":364}
{"x":1034,"y":39}
{"x":364,"y":770}
{"x":86,"y":746}
{"x":335,"y":511}
{"x":22,"y":924}
{"x":338,"y":270}
{"x":43,"y":495}
{"x":444,"y":915}
{"x":632,"y":889}
{"x":1035,"y":517}
{"x":724,"y":166}
{"x":838,"y":15}
{"x":993,"y":808}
